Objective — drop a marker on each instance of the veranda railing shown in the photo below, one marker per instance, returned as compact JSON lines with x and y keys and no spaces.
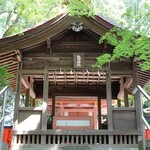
{"x":144,"y":121}
{"x":3,"y":96}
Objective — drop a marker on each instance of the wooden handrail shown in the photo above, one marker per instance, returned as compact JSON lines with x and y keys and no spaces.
{"x":1,"y":120}
{"x":3,"y":90}
{"x":141,"y":91}
{"x":144,"y":121}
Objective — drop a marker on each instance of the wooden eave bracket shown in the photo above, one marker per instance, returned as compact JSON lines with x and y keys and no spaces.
{"x":28,"y":86}
{"x":124,"y":86}
{"x":48,"y":41}
{"x":18,"y":55}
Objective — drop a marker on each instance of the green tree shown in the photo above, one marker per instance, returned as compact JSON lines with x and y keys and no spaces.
{"x":131,"y":40}
{"x":16,"y":15}
{"x":4,"y":74}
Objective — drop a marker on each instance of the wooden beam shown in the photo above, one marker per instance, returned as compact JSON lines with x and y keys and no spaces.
{"x":6,"y":55}
{"x":78,"y":110}
{"x":27,"y":71}
{"x":28,"y":86}
{"x":122,"y":72}
{"x":124,"y":86}
{"x":74,"y":43}
{"x":76,"y":94}
{"x":60,"y":55}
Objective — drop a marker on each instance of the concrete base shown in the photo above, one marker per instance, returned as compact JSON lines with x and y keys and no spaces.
{"x":74,"y":147}
{"x":4,"y":146}
{"x":148,"y":145}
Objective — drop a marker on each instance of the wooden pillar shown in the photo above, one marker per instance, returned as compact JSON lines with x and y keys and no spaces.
{"x":45,"y":101}
{"x":126,"y":100}
{"x":109,"y":100}
{"x":99,"y":113}
{"x":109,"y":104}
{"x":53,"y":106}
{"x":61,"y":109}
{"x":17,"y":96}
{"x":119,"y":102}
{"x":33,"y":102}
{"x":95,"y":116}
{"x":27,"y":97}
{"x":136,"y":97}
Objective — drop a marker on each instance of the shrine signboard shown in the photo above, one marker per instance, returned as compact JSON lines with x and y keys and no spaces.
{"x":78,"y":60}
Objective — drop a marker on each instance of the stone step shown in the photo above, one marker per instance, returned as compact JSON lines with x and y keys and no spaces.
{"x":74,"y":147}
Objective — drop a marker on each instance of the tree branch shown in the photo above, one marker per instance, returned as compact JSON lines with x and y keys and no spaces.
{"x":11,"y":26}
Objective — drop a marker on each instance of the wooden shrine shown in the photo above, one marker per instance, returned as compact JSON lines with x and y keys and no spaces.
{"x":52,"y":64}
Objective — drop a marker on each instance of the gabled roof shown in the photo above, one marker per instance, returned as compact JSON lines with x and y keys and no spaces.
{"x":50,"y":29}
{"x":9,"y":46}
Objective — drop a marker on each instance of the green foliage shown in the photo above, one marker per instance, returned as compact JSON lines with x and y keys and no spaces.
{"x":130,"y":100}
{"x":147,"y":88}
{"x":49,"y":118}
{"x":38,"y":103}
{"x":80,"y":8}
{"x":4,"y":74}
{"x":16,"y":15}
{"x":146,"y":104}
{"x":9,"y":107}
{"x":101,"y":60}
{"x":127,"y":44}
{"x":132,"y":40}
